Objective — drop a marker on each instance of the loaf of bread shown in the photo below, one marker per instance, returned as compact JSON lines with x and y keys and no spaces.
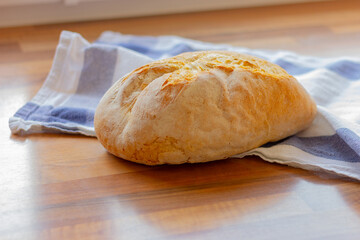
{"x":199,"y":107}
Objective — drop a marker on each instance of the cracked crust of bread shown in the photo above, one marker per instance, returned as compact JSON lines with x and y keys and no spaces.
{"x":200,"y":106}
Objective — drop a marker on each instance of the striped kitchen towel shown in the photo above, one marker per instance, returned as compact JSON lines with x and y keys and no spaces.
{"x":83,"y":71}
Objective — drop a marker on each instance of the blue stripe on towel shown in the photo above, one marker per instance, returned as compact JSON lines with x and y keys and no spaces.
{"x":96,"y":76}
{"x":343,"y":146}
{"x":350,"y":138}
{"x":50,"y":114}
{"x":98,"y":70}
{"x":291,"y":67}
{"x":345,"y":68}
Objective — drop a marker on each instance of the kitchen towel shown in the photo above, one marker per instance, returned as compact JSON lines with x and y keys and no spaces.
{"x":82,"y":72}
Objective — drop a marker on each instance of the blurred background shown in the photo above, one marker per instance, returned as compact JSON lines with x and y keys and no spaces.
{"x":26,"y":12}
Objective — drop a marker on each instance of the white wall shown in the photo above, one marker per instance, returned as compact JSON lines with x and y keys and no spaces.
{"x":27,"y":12}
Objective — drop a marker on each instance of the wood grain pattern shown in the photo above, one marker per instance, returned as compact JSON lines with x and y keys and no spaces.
{"x":69,"y":187}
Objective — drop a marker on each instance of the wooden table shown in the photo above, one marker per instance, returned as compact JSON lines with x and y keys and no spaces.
{"x":69,"y":187}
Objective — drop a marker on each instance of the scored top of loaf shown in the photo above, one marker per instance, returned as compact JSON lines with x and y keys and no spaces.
{"x":185,"y":67}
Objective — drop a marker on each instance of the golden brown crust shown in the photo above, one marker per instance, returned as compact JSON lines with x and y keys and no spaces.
{"x":200,"y":106}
